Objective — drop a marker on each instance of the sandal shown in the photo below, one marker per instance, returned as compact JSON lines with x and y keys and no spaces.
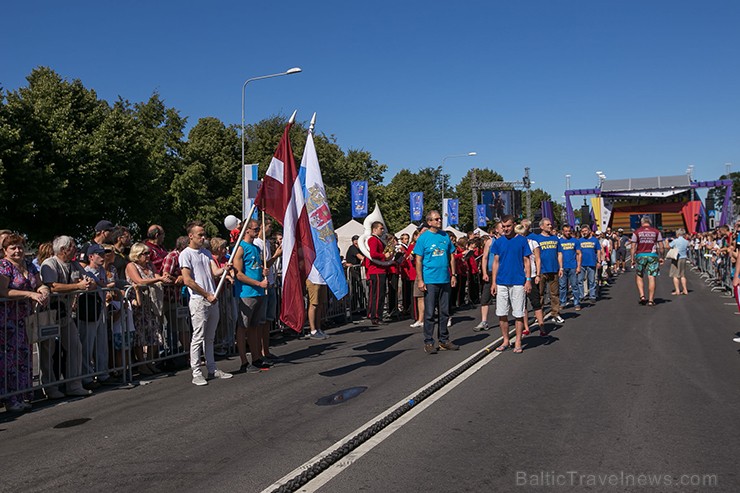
{"x":651,"y":303}
{"x":642,"y":300}
{"x":502,"y":348}
{"x":518,"y":350}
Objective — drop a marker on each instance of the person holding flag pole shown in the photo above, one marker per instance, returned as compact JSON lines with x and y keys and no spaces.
{"x":327,"y":270}
{"x":268,"y":263}
{"x":281,"y":196}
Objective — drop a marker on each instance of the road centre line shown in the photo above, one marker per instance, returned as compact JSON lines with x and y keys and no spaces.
{"x":339,"y":466}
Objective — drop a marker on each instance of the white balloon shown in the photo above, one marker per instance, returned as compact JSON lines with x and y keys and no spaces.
{"x":231,"y":222}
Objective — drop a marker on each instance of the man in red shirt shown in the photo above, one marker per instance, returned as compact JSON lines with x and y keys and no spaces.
{"x":376,"y":273}
{"x":646,"y":256}
{"x":155,"y":240}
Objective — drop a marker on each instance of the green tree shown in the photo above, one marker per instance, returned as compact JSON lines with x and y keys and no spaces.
{"x":53,"y":179}
{"x":718,"y":194}
{"x":395,"y":204}
{"x":338,"y":168}
{"x":208,"y":187}
{"x":463,"y":192}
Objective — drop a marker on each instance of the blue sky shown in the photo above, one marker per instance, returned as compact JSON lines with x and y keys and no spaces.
{"x":629,"y":88}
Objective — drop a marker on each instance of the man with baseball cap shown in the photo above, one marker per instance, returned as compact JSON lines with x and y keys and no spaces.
{"x":102,"y":235}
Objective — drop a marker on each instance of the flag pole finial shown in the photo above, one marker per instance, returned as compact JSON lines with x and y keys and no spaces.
{"x":292,"y":117}
{"x":313,"y":122}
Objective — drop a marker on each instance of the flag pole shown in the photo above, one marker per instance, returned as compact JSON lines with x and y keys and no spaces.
{"x":231,"y":258}
{"x":264,"y":242}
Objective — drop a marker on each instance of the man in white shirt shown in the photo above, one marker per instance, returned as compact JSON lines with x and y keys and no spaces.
{"x":198,"y":272}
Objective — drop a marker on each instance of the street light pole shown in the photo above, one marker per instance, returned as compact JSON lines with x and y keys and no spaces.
{"x":290,"y":71}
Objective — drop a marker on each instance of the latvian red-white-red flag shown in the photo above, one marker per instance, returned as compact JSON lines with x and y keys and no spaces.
{"x":281,"y":197}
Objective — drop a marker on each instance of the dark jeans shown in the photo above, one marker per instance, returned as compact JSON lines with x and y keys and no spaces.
{"x":376,"y":296}
{"x":392,"y":280}
{"x":437,"y":296}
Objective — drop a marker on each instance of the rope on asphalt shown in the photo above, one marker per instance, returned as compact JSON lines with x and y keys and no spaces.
{"x":324,"y":463}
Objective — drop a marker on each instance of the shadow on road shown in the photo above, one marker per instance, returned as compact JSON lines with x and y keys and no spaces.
{"x":375,"y":359}
{"x":382,"y":344}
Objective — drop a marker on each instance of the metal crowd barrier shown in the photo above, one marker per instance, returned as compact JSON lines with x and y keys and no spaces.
{"x":714,"y":268}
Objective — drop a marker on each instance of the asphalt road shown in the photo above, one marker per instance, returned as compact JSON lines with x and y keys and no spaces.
{"x":619,"y":391}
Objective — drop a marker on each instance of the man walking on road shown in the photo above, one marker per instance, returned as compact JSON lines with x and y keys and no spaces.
{"x":590,"y":258}
{"x":569,"y":260}
{"x":511,"y":281}
{"x":434,"y":266}
{"x":647,"y":257}
{"x":549,"y":269}
{"x":198,"y":270}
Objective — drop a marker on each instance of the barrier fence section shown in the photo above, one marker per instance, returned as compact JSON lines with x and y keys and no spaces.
{"x":86,"y":338}
{"x":716,"y":268}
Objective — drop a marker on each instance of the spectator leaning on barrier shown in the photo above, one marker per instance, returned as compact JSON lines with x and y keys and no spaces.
{"x":3,"y":234}
{"x":91,"y":317}
{"x":64,"y":276}
{"x":511,"y":281}
{"x":177,"y":330}
{"x":19,"y":281}
{"x":44,"y":251}
{"x":102,"y":235}
{"x":198,"y":272}
{"x":435,"y":274}
{"x":120,"y":237}
{"x":147,"y":307}
{"x":155,"y":240}
{"x":251,"y":282}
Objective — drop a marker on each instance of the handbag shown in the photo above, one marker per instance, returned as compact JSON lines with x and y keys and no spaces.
{"x":672,"y":254}
{"x":42,"y":325}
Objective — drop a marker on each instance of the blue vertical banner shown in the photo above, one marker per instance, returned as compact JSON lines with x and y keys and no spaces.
{"x":482,"y":219}
{"x":359,"y":198}
{"x":452,"y":207}
{"x":416,"y":205}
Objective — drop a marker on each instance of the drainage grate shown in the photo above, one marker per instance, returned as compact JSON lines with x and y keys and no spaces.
{"x":341,"y":396}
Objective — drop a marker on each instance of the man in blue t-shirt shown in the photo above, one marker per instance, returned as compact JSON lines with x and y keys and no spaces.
{"x":434,"y":265}
{"x":251,"y":282}
{"x":550,"y":268}
{"x":569,"y":260}
{"x":511,"y":281}
{"x":590,"y":257}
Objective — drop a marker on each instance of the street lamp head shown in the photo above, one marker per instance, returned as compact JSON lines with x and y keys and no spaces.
{"x":293,"y":70}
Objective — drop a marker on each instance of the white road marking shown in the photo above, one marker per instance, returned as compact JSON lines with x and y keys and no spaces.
{"x":378,"y":438}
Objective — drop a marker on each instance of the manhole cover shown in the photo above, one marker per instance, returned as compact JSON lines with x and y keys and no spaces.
{"x":341,"y":396}
{"x":72,"y":422}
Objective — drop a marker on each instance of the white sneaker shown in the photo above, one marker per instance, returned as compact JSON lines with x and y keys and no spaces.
{"x":481,"y":326}
{"x":199,"y":379}
{"x":417,"y":324}
{"x":737,"y":339}
{"x":219,"y":374}
{"x":558,"y":320}
{"x":449,"y":322}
